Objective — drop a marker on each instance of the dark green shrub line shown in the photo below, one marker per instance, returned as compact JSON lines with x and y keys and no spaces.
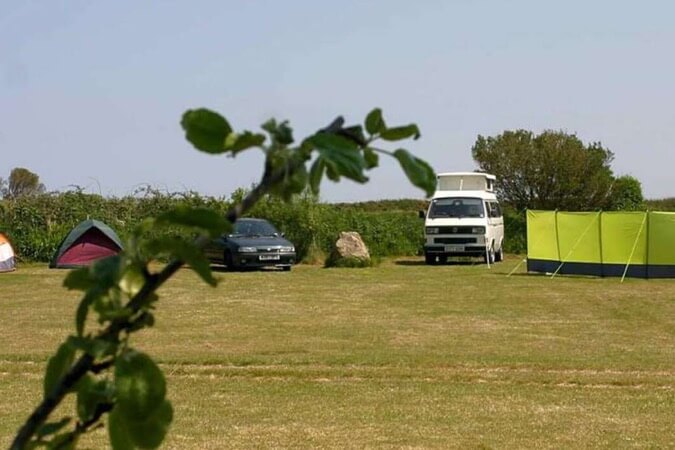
{"x":37,"y":224}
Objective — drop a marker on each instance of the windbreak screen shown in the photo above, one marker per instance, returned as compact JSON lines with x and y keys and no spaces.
{"x":624,"y":237}
{"x":661,"y":249}
{"x":541,"y":235}
{"x":633,"y":244}
{"x":579,"y":237}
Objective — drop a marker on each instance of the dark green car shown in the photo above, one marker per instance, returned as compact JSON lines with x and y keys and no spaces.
{"x":252,"y":243}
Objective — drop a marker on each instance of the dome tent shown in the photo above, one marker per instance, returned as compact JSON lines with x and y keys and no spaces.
{"x":89,"y":241}
{"x":7,"y":255}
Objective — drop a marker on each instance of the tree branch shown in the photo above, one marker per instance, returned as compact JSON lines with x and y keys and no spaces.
{"x":85,"y":363}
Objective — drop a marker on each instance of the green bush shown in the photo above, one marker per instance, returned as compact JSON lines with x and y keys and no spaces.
{"x":663,"y":204}
{"x":515,"y":231}
{"x":36,"y":225}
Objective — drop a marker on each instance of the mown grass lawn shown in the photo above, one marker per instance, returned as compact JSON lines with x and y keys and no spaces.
{"x":399,"y":355}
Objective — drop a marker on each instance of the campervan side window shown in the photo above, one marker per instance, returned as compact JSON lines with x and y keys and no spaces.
{"x":493,"y":209}
{"x":456,"y":207}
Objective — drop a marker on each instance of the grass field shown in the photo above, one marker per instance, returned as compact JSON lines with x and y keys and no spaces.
{"x":399,"y":355}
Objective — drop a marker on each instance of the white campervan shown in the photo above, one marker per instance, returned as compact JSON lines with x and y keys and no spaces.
{"x":463,"y":219}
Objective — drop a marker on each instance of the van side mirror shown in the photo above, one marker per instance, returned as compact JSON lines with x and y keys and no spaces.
{"x":421,"y":214}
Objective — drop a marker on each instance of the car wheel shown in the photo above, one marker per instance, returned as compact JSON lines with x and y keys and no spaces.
{"x":287,"y":268}
{"x":443,"y":259}
{"x":499,"y":256}
{"x":429,"y":259}
{"x":227,"y":261}
{"x":490,"y":256}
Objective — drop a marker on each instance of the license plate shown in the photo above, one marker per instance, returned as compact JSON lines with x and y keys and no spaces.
{"x":269,"y":257}
{"x":454,"y":248}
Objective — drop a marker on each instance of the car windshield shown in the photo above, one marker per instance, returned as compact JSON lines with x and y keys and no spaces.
{"x":254,"y":228}
{"x":456,"y":207}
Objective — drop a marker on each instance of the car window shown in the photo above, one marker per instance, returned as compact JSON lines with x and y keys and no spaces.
{"x":493,"y":209}
{"x":456,"y":207}
{"x":254,"y":228}
{"x":497,"y":209}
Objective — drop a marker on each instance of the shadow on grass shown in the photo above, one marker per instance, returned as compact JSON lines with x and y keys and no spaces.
{"x":225,"y":269}
{"x":409,"y":262}
{"x":560,"y":275}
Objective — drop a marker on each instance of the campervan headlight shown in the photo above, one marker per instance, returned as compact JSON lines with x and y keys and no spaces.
{"x":478,"y":230}
{"x":432,"y":230}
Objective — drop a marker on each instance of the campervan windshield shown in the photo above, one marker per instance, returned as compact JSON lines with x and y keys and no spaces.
{"x":456,"y":207}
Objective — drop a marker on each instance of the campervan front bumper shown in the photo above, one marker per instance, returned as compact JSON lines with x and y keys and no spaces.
{"x":455,"y":245}
{"x":455,"y":250}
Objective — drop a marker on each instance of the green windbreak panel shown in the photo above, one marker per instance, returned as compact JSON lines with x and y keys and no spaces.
{"x":661,"y":238}
{"x":541,"y":235}
{"x":579,"y":237}
{"x":624,"y":233}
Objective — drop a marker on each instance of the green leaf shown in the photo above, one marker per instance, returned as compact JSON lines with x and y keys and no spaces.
{"x":375,"y":122}
{"x":102,"y":274}
{"x":238,"y":142}
{"x":206,"y":130}
{"x":106,"y":272}
{"x":294,"y":184}
{"x":418,"y":171}
{"x":52,"y":427}
{"x":316,"y":173}
{"x":140,"y":385}
{"x":331,"y":171}
{"x":90,"y":394}
{"x":110,"y":307}
{"x":341,"y":156}
{"x":117,"y":431}
{"x":79,"y":279}
{"x":146,"y":319}
{"x":372,"y":158}
{"x":83,"y":310}
{"x":202,"y":218}
{"x":185,"y":251}
{"x":132,"y":280}
{"x":97,"y":348}
{"x":399,"y":133}
{"x":150,"y":433}
{"x":85,"y":400}
{"x":281,"y":133}
{"x":354,"y":133}
{"x":57,"y":366}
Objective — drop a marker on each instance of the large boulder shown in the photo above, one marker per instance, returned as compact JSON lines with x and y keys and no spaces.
{"x":349,"y":251}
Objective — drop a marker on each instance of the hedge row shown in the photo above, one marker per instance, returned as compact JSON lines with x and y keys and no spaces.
{"x":36,"y":225}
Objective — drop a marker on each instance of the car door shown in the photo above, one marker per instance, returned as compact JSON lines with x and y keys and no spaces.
{"x":214,"y":250}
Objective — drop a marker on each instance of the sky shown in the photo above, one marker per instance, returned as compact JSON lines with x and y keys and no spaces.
{"x":91,"y":93}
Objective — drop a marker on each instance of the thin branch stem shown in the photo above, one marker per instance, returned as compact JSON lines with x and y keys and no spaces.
{"x":86,"y":362}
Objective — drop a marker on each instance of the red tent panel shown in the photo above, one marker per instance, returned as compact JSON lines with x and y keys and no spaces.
{"x":89,"y":247}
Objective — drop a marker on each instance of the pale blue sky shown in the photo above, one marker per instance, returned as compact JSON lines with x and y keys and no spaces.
{"x":91,"y":92}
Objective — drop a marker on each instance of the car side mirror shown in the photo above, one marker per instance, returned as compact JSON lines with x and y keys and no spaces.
{"x":421,"y":214}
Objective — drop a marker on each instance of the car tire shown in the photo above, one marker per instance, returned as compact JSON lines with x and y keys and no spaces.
{"x":286,"y":268}
{"x":228,"y":261}
{"x":429,"y":259}
{"x":499,"y":256}
{"x":489,"y":258}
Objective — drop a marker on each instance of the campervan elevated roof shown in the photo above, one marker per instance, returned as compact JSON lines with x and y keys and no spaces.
{"x":465,"y":181}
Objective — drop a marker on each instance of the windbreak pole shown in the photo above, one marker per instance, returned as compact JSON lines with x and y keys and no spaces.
{"x":632,"y":252}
